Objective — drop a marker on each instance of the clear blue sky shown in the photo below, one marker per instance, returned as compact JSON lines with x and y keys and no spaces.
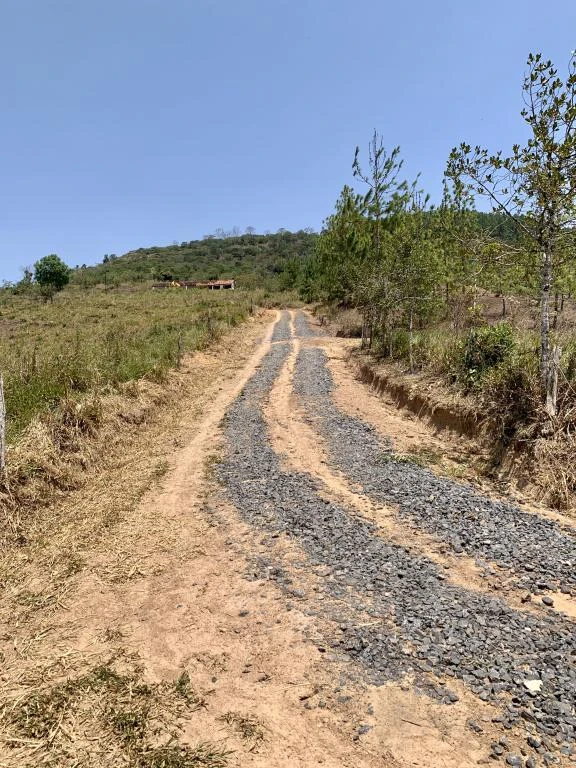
{"x":128,"y":123}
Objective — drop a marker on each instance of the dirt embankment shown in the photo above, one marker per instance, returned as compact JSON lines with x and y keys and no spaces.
{"x":534,"y":468}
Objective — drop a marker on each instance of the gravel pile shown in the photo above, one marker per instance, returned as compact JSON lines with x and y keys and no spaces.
{"x":424,"y":625}
{"x":536,"y":552}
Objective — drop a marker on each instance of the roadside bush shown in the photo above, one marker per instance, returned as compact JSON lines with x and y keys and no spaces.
{"x":348,"y":324}
{"x":485,"y":348}
{"x":394,"y":344}
{"x":510,"y":391}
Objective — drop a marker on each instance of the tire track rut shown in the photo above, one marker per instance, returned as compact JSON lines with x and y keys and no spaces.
{"x":422,"y":628}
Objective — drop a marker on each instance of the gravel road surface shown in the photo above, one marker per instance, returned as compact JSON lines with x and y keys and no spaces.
{"x":421,"y":626}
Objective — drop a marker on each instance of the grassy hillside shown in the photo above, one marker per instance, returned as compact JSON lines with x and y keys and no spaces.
{"x":88,"y":340}
{"x":255,"y":259}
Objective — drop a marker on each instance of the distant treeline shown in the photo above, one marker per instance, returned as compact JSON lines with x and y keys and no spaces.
{"x":256,"y":258}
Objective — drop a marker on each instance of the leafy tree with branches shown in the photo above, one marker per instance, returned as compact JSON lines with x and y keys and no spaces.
{"x":415,"y":263}
{"x":342,"y":249}
{"x":385,"y":199}
{"x":535,"y":187}
{"x":52,"y":275}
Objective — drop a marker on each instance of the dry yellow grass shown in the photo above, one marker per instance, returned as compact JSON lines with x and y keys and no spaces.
{"x":89,"y":339}
{"x":66,"y":700}
{"x":79,"y":370}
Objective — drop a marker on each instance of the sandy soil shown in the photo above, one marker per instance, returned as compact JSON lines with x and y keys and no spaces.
{"x":151,"y":559}
{"x":169,"y":584}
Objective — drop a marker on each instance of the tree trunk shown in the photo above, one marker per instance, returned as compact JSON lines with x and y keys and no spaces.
{"x":552,"y":388}
{"x":556,"y":310}
{"x":545,"y":323}
{"x":410,"y":341}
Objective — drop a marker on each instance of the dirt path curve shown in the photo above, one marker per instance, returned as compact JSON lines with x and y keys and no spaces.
{"x":279,"y":568}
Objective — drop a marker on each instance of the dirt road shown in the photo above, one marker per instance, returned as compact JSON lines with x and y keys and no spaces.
{"x":331,"y":600}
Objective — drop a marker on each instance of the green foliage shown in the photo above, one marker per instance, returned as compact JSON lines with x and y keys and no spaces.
{"x":534,"y":186}
{"x":51,"y":273}
{"x":486,"y":348}
{"x":511,"y":389}
{"x":405,"y":266}
{"x":341,"y":251}
{"x":255,"y":260}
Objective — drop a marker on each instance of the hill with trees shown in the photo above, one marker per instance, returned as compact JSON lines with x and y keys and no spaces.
{"x":260,"y":257}
{"x":271,"y":260}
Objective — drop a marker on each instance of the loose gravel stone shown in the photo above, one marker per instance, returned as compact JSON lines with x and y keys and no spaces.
{"x":303,"y":327}
{"x":282,"y":328}
{"x":538,"y":551}
{"x":425,"y":625}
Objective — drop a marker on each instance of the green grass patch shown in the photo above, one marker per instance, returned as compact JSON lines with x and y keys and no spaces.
{"x":90,"y":339}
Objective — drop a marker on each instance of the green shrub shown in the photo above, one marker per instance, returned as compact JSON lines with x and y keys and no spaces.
{"x":511,"y":390}
{"x":486,"y":348}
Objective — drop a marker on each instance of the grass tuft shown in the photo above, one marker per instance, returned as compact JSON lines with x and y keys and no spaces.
{"x":110,"y":707}
{"x":204,"y":755}
{"x":248,"y":727}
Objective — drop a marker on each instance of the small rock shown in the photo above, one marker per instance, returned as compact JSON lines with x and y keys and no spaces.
{"x":533,"y":685}
{"x":453,"y":697}
{"x":547,"y":600}
{"x":514,"y":760}
{"x":534,"y":742}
